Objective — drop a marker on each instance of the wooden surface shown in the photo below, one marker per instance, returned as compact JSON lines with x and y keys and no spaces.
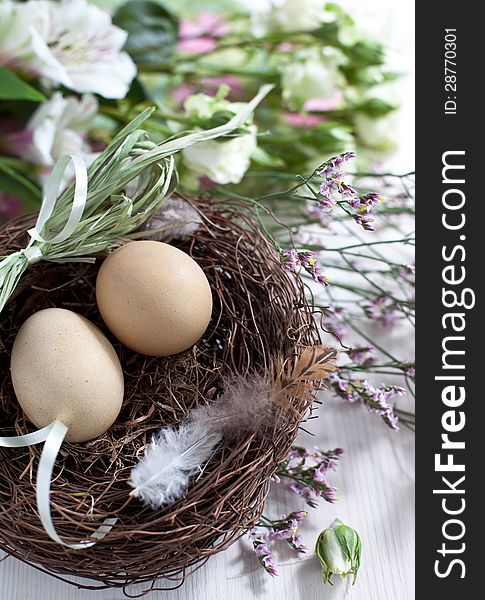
{"x":376,"y":490}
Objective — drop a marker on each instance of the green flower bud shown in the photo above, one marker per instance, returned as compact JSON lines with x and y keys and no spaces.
{"x":338,"y":549}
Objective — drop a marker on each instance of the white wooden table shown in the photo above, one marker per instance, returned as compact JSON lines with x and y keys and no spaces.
{"x":376,"y":489}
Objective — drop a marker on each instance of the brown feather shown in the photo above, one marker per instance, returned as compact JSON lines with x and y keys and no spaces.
{"x":298,"y":378}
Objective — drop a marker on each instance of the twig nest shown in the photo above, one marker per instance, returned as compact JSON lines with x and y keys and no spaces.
{"x":64,"y":368}
{"x":260,"y":312}
{"x":154,"y":298}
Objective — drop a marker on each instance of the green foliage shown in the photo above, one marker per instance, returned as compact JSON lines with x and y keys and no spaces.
{"x":152,"y":31}
{"x":14,"y":182}
{"x":375,"y":107}
{"x":14,"y":88}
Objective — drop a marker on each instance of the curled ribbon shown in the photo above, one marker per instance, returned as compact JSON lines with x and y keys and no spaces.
{"x":13,"y":265}
{"x":50,"y":198}
{"x":53,"y":435}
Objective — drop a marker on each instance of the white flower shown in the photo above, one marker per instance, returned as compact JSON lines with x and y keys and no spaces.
{"x":339,"y":550}
{"x":381,"y":133}
{"x":314,"y":74}
{"x":71,"y":43}
{"x":300,"y":15}
{"x":58,"y":127}
{"x":16,"y":24}
{"x":222,"y":161}
{"x":202,"y":106}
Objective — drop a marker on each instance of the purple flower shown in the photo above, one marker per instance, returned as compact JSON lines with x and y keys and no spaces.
{"x":410,"y":371}
{"x":290,"y":260}
{"x":285,"y":529}
{"x":376,"y":399}
{"x":332,"y":167}
{"x":319,"y":474}
{"x":297,"y":544}
{"x":335,"y":320}
{"x":365,"y":222}
{"x":326,"y":203}
{"x":262,"y":550}
{"x":361,"y":356}
{"x":367,"y":201}
{"x":382,"y":310}
{"x":10,"y":206}
{"x":306,"y":471}
{"x":293,"y":260}
{"x":407,"y":272}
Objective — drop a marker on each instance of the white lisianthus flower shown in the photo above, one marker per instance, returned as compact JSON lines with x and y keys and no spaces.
{"x":71,"y":43}
{"x":58,"y":127}
{"x":380,"y":133}
{"x":339,"y":550}
{"x":221,"y":161}
{"x":314,"y":74}
{"x":300,"y":15}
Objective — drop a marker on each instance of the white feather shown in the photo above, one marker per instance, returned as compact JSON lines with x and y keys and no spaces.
{"x":174,"y":455}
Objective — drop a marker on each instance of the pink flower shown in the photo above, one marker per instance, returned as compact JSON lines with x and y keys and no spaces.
{"x":323,"y":104}
{"x":210,"y":87}
{"x":198,"y":36}
{"x":201,"y":45}
{"x":205,"y":24}
{"x":182,"y":92}
{"x":302,"y":120}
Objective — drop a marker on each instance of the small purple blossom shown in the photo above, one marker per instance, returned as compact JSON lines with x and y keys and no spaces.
{"x":305,"y":471}
{"x":364,"y":221}
{"x":409,"y":368}
{"x":260,"y":542}
{"x":407,"y":272}
{"x":367,"y":201}
{"x":326,"y":203}
{"x":294,"y":260}
{"x":333,"y":184}
{"x":376,"y":399}
{"x":361,"y":355}
{"x":382,"y":310}
{"x":290,"y":260}
{"x":335,"y":320}
{"x":267,"y":531}
{"x":332,"y":167}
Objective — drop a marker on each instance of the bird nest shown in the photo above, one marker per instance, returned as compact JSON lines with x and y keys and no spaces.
{"x":260,"y":312}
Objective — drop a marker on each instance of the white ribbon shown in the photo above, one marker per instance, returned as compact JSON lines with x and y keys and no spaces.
{"x":53,"y":435}
{"x":50,"y":198}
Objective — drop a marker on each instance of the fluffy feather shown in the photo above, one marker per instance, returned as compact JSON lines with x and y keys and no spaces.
{"x":174,"y":455}
{"x":244,"y":405}
{"x":299,"y":377}
{"x":252,"y":404}
{"x":175,"y":219}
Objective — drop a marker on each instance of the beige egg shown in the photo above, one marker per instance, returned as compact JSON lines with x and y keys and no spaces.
{"x":64,"y":368}
{"x":154,"y":298}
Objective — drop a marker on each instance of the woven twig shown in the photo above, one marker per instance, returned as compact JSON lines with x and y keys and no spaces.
{"x":260,"y":314}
